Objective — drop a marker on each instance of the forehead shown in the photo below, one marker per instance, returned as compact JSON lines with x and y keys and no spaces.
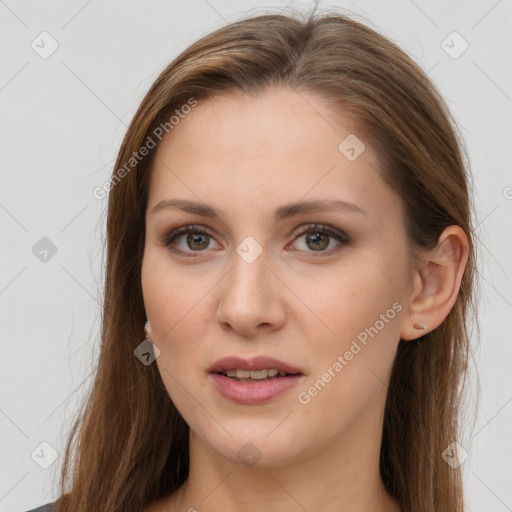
{"x":250,"y":149}
{"x":281,"y":123}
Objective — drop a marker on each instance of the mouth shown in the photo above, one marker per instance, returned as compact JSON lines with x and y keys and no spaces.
{"x":256,"y":368}
{"x":253,"y":381}
{"x":255,"y":376}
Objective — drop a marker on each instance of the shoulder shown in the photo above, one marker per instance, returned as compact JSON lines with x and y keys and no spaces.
{"x":43,"y":508}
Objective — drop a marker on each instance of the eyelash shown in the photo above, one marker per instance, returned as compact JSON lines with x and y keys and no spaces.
{"x":340,"y":236}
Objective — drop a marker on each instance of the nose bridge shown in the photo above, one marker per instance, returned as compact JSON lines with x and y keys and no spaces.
{"x":249,"y":297}
{"x":249,"y":277}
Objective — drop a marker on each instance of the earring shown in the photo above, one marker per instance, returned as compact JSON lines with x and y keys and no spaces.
{"x":418,"y":326}
{"x":147,"y":329}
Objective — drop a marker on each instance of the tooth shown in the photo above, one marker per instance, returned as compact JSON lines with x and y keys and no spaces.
{"x":259,"y":374}
{"x":256,"y":374}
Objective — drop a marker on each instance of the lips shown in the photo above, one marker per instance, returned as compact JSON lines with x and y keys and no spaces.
{"x":249,"y":391}
{"x":255,"y":364}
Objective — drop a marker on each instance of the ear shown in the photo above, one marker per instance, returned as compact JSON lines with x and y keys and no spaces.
{"x":436,"y":283}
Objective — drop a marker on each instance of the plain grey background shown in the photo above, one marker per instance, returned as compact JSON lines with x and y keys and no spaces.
{"x":63,"y":116}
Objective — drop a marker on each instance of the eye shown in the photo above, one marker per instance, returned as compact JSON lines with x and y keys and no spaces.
{"x":317,"y":239}
{"x":198,"y":239}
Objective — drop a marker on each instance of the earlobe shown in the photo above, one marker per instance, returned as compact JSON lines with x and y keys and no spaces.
{"x":436,"y":284}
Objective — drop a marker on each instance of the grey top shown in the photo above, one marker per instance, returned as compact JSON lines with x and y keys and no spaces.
{"x":43,"y":508}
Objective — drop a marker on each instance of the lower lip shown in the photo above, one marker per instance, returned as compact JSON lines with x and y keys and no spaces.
{"x":253,"y":392}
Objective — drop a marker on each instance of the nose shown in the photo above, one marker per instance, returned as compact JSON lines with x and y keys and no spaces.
{"x":252,"y":299}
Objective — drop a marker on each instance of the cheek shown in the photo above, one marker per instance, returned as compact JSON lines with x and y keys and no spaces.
{"x":174,"y":298}
{"x":169,"y":304}
{"x":361,"y":305}
{"x":177,"y":303}
{"x":353,"y":365}
{"x":354,"y":297}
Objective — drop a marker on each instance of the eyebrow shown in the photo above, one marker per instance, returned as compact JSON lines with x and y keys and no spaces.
{"x":283,"y":212}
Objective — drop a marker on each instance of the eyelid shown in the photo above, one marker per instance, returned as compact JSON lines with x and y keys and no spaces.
{"x":311,"y":226}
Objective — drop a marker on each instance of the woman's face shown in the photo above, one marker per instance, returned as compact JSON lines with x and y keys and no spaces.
{"x":327,"y":301}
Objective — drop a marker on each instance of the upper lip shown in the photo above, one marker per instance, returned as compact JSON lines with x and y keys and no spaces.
{"x":254,"y":364}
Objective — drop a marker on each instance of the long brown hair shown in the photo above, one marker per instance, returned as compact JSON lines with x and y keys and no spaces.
{"x":129,"y":445}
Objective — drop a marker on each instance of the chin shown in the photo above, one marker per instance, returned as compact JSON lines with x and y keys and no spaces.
{"x":257,"y":450}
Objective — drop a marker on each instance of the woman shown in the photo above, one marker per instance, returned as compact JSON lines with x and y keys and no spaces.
{"x":289,"y":276}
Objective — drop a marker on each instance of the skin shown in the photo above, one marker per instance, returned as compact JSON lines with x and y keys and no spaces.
{"x":246,"y":156}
